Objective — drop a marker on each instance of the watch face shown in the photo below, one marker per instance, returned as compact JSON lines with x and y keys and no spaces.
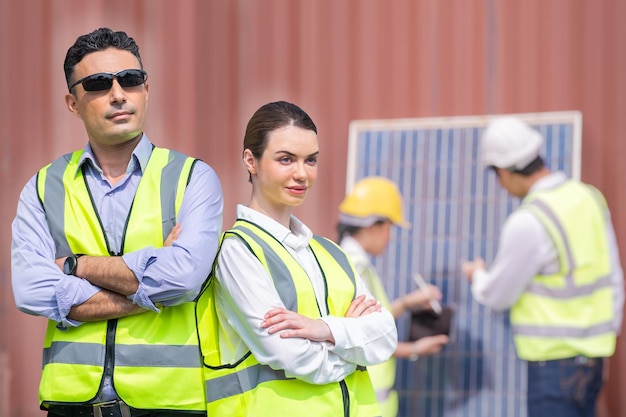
{"x":69,"y":266}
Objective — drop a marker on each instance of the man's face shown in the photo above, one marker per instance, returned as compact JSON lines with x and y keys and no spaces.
{"x":112,"y":116}
{"x":511,"y":182}
{"x":382,"y":234}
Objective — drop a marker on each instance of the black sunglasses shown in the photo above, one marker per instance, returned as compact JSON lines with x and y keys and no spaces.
{"x":104,"y":80}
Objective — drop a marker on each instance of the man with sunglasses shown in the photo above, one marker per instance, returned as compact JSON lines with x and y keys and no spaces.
{"x":557,"y":268}
{"x":112,"y":243}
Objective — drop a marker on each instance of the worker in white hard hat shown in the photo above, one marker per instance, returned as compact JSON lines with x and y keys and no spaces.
{"x":556,"y":268}
{"x":365,"y":218}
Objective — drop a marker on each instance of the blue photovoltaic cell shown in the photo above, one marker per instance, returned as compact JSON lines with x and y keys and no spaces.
{"x":456,"y":208}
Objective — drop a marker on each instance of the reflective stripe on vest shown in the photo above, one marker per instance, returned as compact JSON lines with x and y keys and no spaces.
{"x":127,"y":355}
{"x":152,"y":349}
{"x":570,"y":312}
{"x":247,"y":388}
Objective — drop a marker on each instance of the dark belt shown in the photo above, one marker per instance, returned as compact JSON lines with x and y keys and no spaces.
{"x":578,"y":360}
{"x":106,"y":409}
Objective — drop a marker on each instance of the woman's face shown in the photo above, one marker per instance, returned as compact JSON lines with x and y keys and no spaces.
{"x":287,"y":170}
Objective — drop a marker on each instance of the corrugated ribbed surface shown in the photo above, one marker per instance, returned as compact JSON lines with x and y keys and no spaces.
{"x":213,"y":62}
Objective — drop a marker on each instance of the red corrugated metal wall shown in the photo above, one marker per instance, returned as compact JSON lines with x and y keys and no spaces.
{"x":213,"y":62}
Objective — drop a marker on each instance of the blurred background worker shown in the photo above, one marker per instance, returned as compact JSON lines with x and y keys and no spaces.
{"x":365,"y":218}
{"x":557,"y":268}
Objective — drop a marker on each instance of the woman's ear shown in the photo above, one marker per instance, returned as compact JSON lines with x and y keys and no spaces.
{"x":249,"y":161}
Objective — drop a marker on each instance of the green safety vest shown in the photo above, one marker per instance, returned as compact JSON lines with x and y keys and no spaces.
{"x":155,"y":355}
{"x":248,"y":388}
{"x":571,"y":312}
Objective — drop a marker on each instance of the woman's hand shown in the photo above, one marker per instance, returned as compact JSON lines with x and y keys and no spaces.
{"x":361,"y":307}
{"x":292,"y":324}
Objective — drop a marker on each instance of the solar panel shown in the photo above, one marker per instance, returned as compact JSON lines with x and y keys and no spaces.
{"x":456,"y":208}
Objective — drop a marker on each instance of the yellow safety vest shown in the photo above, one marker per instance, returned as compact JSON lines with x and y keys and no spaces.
{"x":383,"y":375}
{"x":155,"y":355}
{"x":247,"y":388}
{"x":571,"y":312}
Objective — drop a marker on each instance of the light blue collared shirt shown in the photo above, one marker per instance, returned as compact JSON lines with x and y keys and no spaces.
{"x":169,"y":275}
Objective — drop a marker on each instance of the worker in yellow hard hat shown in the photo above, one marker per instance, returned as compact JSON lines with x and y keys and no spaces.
{"x":365,"y":219}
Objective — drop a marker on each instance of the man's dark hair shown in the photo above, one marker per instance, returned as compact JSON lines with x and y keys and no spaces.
{"x":350,"y":230}
{"x":98,"y":40}
{"x":346,"y":229}
{"x":534,"y":166}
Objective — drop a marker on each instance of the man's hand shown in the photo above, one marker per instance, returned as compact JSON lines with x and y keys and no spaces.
{"x":292,"y":324}
{"x":470,"y":267}
{"x":104,"y":305}
{"x":430,"y":345}
{"x":60,"y":262}
{"x":174,"y":233}
{"x":419,"y":299}
{"x":415,"y":300}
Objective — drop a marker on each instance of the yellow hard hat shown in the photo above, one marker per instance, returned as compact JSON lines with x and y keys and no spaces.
{"x":372,"y":199}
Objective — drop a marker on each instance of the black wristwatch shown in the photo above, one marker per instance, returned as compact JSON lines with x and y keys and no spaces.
{"x":70,"y":264}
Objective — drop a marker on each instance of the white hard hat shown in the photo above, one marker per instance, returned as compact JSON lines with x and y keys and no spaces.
{"x":509,"y":143}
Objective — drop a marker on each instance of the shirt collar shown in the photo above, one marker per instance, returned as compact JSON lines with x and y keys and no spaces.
{"x":297,"y":236}
{"x":355,"y":251}
{"x":552,"y":180}
{"x":141,"y":156}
